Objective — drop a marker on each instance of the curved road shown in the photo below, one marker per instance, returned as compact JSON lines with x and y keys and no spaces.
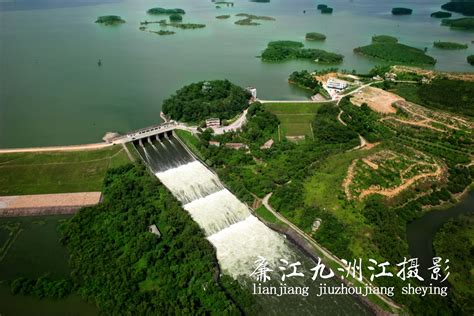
{"x":319,"y":248}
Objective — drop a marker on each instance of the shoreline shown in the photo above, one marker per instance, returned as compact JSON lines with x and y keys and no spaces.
{"x":92,"y":146}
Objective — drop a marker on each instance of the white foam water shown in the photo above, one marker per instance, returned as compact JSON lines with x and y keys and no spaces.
{"x":238,"y":236}
{"x":239,"y":245}
{"x":217,"y":211}
{"x":190,"y":181}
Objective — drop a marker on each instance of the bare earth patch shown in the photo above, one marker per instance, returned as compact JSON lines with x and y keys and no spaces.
{"x":431,"y":74}
{"x":394,"y":173}
{"x":416,"y":115}
{"x":377,"y":99}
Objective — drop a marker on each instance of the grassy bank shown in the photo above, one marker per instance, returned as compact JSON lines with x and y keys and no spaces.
{"x":57,"y":172}
{"x":295,"y":118}
{"x":191,"y":141}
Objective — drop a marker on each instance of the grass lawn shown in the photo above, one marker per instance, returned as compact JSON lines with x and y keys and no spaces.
{"x":295,"y":118}
{"x":191,"y":141}
{"x":266,"y":215}
{"x":57,"y":172}
{"x":296,"y":124}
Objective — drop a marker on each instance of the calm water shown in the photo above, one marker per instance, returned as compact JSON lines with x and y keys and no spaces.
{"x":53,"y":92}
{"x":422,"y":231}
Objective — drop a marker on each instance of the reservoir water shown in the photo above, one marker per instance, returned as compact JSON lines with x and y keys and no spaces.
{"x":52,"y":91}
{"x":238,"y":236}
{"x":421,"y":232}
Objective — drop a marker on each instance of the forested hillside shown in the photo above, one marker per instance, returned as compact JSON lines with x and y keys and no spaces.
{"x":126,"y":270}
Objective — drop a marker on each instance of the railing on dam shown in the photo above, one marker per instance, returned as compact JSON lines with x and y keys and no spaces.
{"x":146,"y":132}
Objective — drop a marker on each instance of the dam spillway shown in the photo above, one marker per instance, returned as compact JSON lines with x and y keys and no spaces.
{"x":238,"y":237}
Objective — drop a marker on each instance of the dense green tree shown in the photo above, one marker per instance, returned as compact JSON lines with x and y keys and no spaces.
{"x":124,"y":269}
{"x":202,"y":100}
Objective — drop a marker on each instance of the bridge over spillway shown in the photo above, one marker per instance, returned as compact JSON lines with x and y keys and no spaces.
{"x":152,"y":132}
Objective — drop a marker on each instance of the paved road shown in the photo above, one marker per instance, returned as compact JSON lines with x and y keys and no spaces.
{"x":293,"y":101}
{"x":236,"y":125}
{"x":56,"y":148}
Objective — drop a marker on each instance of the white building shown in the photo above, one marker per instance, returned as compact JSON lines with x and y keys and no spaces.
{"x":336,"y":84}
{"x":253,"y":92}
{"x":213,"y":122}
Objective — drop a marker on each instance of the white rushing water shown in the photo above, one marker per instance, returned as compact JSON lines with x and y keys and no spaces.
{"x":217,"y":211}
{"x":190,"y":181}
{"x":239,"y":237}
{"x":239,"y":245}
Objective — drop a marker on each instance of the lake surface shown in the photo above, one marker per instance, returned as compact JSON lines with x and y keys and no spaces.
{"x":53,"y":92}
{"x":421,"y":232}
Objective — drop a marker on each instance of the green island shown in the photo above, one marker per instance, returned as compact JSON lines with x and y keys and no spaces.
{"x":176,"y":17}
{"x":462,"y":23}
{"x":226,"y":3}
{"x":441,"y":15}
{"x":222,"y":17}
{"x":449,"y":45}
{"x":396,"y":52}
{"x":470,"y":59}
{"x":201,"y":100}
{"x":184,"y":26}
{"x":460,"y":254}
{"x":163,"y":32}
{"x":384,"y":39}
{"x":110,"y":20}
{"x":159,"y":11}
{"x":286,"y":50}
{"x":327,"y":10}
{"x":249,"y":19}
{"x":465,"y":7}
{"x":314,"y":36}
{"x":402,"y":11}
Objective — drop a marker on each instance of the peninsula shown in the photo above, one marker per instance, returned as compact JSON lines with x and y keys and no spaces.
{"x":286,"y":50}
